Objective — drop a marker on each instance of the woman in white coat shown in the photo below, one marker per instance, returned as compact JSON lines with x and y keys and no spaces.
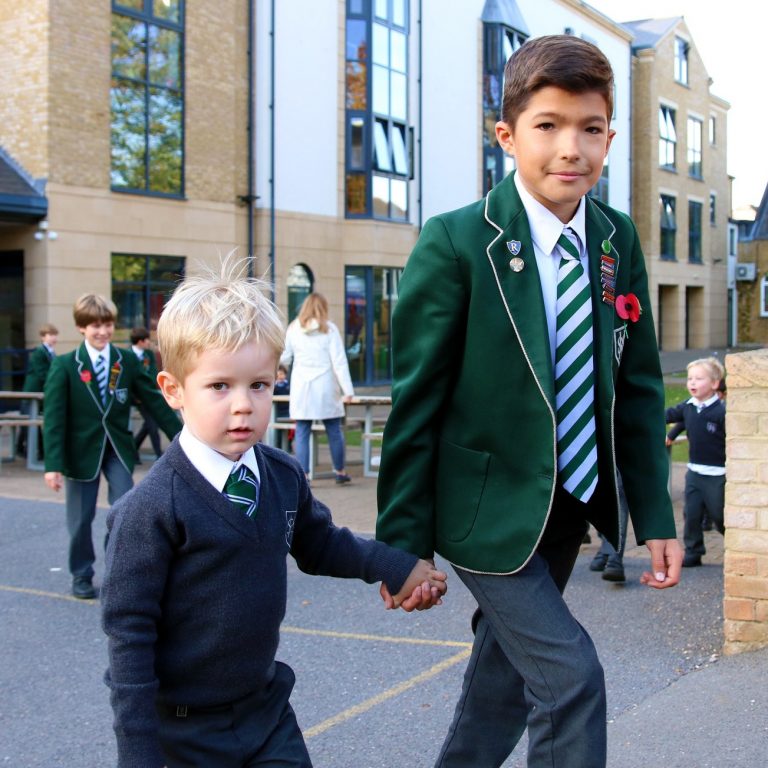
{"x":320,"y":380}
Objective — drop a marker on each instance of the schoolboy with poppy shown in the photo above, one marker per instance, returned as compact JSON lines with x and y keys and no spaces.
{"x":88,"y":394}
{"x":503,"y":485}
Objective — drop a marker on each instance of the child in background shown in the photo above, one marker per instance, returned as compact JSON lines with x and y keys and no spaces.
{"x":196,"y":578}
{"x":703,"y":418}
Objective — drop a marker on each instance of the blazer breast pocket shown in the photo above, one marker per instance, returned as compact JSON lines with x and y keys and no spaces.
{"x":460,"y":482}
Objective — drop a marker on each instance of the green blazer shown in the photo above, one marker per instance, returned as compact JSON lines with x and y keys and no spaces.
{"x":37,"y":369}
{"x":77,"y":425}
{"x":469,"y":461}
{"x":148,"y":364}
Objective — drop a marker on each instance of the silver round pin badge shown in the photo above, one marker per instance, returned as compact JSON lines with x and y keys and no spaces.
{"x":516,"y":264}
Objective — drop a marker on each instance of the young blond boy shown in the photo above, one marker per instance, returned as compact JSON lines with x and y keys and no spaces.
{"x":703,"y":418}
{"x":88,"y":395}
{"x":195,"y":588}
{"x":544,"y":286}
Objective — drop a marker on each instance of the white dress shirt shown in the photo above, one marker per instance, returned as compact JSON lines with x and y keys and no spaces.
{"x":214,"y":467}
{"x":546,"y":229}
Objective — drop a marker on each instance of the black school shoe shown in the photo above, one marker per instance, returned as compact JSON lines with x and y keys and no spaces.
{"x":599,"y":561}
{"x":341,"y":478}
{"x":83,"y":589}
{"x":614,"y":571}
{"x":691,"y":561}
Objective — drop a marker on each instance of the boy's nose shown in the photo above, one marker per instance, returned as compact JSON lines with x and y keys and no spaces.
{"x":569,"y":144}
{"x":241,"y":402}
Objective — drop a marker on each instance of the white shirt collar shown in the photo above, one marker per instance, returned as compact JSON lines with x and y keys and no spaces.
{"x":93,"y":353}
{"x":546,"y":228}
{"x":214,"y":467}
{"x":138,"y":351}
{"x":704,"y":403}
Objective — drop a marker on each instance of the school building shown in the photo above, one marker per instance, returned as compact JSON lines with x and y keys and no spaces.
{"x":142,"y":138}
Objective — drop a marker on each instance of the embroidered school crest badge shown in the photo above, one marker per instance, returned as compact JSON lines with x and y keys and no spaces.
{"x":619,"y":338}
{"x":514,"y":246}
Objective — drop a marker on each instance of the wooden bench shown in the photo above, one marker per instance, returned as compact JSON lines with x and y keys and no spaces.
{"x":277,"y":432}
{"x":12,"y":420}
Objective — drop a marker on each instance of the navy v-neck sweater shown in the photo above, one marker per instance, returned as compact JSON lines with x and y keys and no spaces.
{"x":195,"y":591}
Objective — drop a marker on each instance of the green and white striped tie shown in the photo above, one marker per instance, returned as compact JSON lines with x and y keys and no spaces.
{"x":574,"y":374}
{"x":242,"y":489}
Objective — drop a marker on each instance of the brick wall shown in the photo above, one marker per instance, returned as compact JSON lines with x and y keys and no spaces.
{"x":746,"y":503}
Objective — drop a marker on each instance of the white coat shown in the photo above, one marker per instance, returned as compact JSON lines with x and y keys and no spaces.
{"x":319,"y":374}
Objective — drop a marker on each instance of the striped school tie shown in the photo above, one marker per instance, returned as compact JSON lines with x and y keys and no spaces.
{"x":242,"y":489}
{"x":574,"y":374}
{"x":100,"y":370}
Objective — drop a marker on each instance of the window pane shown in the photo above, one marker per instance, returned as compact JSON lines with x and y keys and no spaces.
{"x":357,"y":85}
{"x":357,"y":192}
{"x":165,"y":271}
{"x":380,"y":45}
{"x":131,"y":306}
{"x":128,"y":47}
{"x":397,"y":107}
{"x":397,"y":39}
{"x":381,"y":144}
{"x":128,"y":138}
{"x":381,"y":8}
{"x":164,"y":57}
{"x":382,"y":323}
{"x":357,"y":143}
{"x":398,"y":150}
{"x":355,"y":6}
{"x":399,"y":197}
{"x":398,"y":12}
{"x":164,"y":141}
{"x":354,"y":321}
{"x":381,"y":90}
{"x":357,"y":41}
{"x":166,"y":9}
{"x":381,"y":197}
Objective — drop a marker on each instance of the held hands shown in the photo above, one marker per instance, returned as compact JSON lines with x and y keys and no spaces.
{"x":666,"y":563}
{"x":422,"y":589}
{"x":54,"y":480}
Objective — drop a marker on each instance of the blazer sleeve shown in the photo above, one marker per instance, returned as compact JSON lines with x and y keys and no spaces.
{"x":56,"y":399}
{"x":427,"y":333}
{"x":146,"y":391}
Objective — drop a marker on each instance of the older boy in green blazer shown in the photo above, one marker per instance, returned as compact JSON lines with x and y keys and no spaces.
{"x":141,"y":346}
{"x":547,"y":288}
{"x":88,"y":396}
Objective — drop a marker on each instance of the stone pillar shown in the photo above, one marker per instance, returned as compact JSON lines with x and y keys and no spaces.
{"x":746,"y":503}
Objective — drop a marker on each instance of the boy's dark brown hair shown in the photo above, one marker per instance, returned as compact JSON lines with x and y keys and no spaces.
{"x":139,"y":334}
{"x":48,"y":328}
{"x":92,"y":308}
{"x":562,"y":61}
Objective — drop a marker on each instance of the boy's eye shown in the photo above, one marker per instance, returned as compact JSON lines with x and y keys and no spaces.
{"x":259,"y":385}
{"x":218,"y":386}
{"x":594,"y":129}
{"x":545,"y":126}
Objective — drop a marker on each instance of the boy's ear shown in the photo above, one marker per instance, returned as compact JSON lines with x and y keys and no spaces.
{"x":505,"y":137}
{"x":172,"y":390}
{"x":611,"y":134}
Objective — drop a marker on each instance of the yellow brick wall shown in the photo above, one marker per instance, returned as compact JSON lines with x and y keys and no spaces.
{"x":745,"y":605}
{"x":24,"y":83}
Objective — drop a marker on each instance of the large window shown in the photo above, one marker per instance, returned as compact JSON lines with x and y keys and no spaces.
{"x":667,"y":137}
{"x":378,"y":138}
{"x":668,"y":226}
{"x":681,"y":61}
{"x":141,"y":285}
{"x":147,"y":97}
{"x":694,"y":231}
{"x":371,"y":295}
{"x":499,"y":43}
{"x":694,"y":147}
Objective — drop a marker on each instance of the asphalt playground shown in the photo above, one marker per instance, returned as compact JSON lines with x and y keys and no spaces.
{"x":376,"y":688}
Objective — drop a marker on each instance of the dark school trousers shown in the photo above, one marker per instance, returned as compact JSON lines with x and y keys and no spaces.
{"x":259,"y":730}
{"x":532,"y":664}
{"x":81,"y":497}
{"x":703,"y":493}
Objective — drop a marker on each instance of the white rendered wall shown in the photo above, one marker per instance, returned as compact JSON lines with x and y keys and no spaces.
{"x":306,"y":105}
{"x":452,"y":101}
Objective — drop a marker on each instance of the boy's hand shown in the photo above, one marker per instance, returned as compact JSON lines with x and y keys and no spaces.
{"x":422,"y":589}
{"x":668,"y":442}
{"x":54,"y":480}
{"x":666,"y":563}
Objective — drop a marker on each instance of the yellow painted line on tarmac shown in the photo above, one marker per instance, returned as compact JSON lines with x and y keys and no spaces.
{"x":41,"y":593}
{"x":375,"y":638}
{"x":390,"y":693}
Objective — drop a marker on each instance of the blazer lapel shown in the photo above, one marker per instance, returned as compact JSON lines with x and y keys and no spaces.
{"x":600,"y":231}
{"x":87,"y":375}
{"x":513,"y":261}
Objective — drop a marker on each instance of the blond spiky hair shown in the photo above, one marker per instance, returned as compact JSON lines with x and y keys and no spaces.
{"x":711,"y":365}
{"x":223,"y":310}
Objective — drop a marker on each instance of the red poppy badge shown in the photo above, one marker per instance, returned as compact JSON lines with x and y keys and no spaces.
{"x":85,"y":377}
{"x":628,"y":307}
